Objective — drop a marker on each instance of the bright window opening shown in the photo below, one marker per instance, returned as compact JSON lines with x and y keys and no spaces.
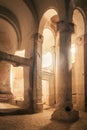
{"x":46,"y":60}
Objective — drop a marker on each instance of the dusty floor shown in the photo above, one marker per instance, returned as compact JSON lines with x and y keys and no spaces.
{"x":40,"y":121}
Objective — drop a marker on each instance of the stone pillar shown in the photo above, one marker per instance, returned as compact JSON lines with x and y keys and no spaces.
{"x":37,"y":90}
{"x":65,"y":110}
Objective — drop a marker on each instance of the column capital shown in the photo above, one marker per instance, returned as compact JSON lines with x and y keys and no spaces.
{"x":63,"y":26}
{"x":38,"y":38}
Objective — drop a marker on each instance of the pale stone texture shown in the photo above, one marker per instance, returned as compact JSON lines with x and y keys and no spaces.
{"x":66,"y":116}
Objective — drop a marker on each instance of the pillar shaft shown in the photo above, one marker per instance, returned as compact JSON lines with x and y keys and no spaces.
{"x":64,"y":97}
{"x":64,"y":111}
{"x":37,"y":91}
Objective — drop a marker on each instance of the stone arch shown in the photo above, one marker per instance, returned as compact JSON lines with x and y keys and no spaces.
{"x":10,"y":17}
{"x":78,"y":69}
{"x":19,"y":26}
{"x":48,"y":29}
{"x":47,"y":16}
{"x":10,"y":38}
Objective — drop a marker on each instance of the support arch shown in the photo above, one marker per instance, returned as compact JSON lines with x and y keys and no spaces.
{"x":48,"y":29}
{"x":78,"y":66}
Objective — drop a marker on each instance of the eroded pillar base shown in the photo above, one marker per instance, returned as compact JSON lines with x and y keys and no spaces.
{"x":38,"y":107}
{"x":65,"y":116}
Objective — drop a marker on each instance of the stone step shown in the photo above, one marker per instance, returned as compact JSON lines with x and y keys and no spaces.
{"x":5,"y":97}
{"x":8,"y":108}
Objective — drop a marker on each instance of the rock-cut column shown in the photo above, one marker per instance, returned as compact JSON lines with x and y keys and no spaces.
{"x":37,"y":87}
{"x":64,"y":111}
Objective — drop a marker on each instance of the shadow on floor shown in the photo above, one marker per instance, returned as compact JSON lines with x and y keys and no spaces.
{"x":81,"y":124}
{"x":54,"y":125}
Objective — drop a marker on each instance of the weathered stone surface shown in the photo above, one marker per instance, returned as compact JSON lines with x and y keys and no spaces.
{"x":66,"y":116}
{"x":65,"y":110}
{"x":15,"y":60}
{"x":38,"y":107}
{"x":64,"y":87}
{"x":5,"y":97}
{"x":37,"y":88}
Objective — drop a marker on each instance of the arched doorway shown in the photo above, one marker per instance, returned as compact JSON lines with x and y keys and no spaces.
{"x":78,"y":89}
{"x":48,"y":71}
{"x":49,"y":31}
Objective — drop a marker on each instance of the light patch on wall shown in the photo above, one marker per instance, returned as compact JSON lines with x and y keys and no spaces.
{"x":47,"y":17}
{"x":46,"y":60}
{"x":48,"y":41}
{"x":49,"y":13}
{"x":17,"y":79}
{"x":45,"y":92}
{"x":20,"y":53}
{"x":73,"y":52}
